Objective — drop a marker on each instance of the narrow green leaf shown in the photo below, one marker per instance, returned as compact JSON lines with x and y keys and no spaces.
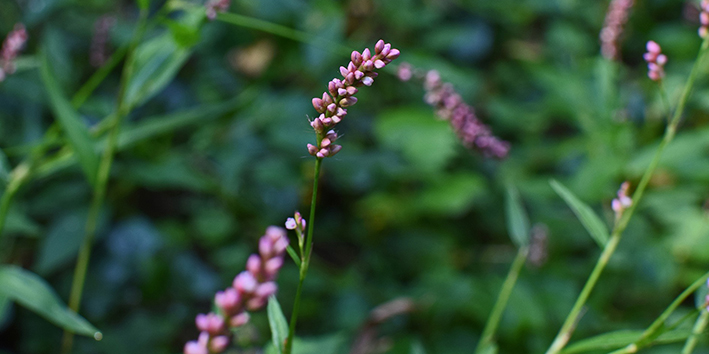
{"x":143,"y":4}
{"x":5,"y":168}
{"x":69,"y":119}
{"x":293,"y":255}
{"x":619,"y":339}
{"x":277,"y":321}
{"x":517,"y":220}
{"x":32,"y":292}
{"x":593,"y":224}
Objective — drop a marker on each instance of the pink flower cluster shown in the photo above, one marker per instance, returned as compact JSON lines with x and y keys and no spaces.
{"x":655,"y":61}
{"x":14,"y":42}
{"x":340,"y":95}
{"x":215,"y":6}
{"x":249,"y":292}
{"x":704,"y":19}
{"x":616,"y":17}
{"x":450,"y":106}
{"x":623,"y":201}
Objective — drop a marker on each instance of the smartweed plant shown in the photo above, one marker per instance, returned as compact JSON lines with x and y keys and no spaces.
{"x":160,"y":43}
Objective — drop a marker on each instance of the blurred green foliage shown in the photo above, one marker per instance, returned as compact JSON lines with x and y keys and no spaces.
{"x":214,"y":151}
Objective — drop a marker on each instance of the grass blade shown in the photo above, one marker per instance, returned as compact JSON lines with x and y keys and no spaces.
{"x":277,"y":321}
{"x":32,"y":292}
{"x":517,"y":220}
{"x":593,"y":224}
{"x":69,"y":119}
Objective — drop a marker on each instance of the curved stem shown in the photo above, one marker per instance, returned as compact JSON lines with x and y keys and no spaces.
{"x":699,"y":327}
{"x":104,"y":171}
{"x":498,"y":309}
{"x":305,"y":260}
{"x":567,"y":329}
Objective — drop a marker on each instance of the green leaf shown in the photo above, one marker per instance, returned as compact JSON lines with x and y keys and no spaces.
{"x":517,"y":220}
{"x":184,"y":35}
{"x":157,"y":61}
{"x":619,"y":339}
{"x":426,"y":142}
{"x":593,"y":224}
{"x":277,"y":321}
{"x":32,"y":292}
{"x":5,"y":168}
{"x":334,"y":343}
{"x":69,"y":119}
{"x":143,"y":4}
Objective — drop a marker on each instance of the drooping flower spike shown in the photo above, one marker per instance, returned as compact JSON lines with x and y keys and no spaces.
{"x":249,"y":292}
{"x":616,"y":17}
{"x":623,"y":201}
{"x":332,"y":107}
{"x":11,"y":47}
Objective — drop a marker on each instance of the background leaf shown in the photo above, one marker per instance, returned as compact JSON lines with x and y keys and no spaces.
{"x":277,"y":322}
{"x":70,"y":121}
{"x":593,"y":224}
{"x":517,"y":219}
{"x":32,"y":292}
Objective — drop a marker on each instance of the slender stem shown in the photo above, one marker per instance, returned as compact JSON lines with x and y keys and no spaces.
{"x":699,"y":327}
{"x":665,"y":98}
{"x":17,"y":179}
{"x":279,"y":30}
{"x":498,"y":309}
{"x":305,"y":260}
{"x":654,"y":330}
{"x":104,"y":171}
{"x":567,"y":329}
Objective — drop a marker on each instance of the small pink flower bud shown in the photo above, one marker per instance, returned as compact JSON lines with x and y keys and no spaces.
{"x":228,"y":301}
{"x":356,"y":58}
{"x":312,"y":149}
{"x":379,"y":46}
{"x":326,"y":99}
{"x":653,"y":47}
{"x":358,"y":75}
{"x":393,"y":54}
{"x":255,"y":303}
{"x":245,"y":283}
{"x":343,"y":71}
{"x":342,"y":91}
{"x":325,"y":142}
{"x":336,"y":119}
{"x":266,"y":289}
{"x":661,"y":60}
{"x":317,"y":103}
{"x":334,"y":149}
{"x":280,"y":245}
{"x":368,"y":65}
{"x":348,"y":101}
{"x":253,"y":264}
{"x":341,"y":111}
{"x":331,"y":108}
{"x":367,"y":81}
{"x":218,"y":344}
{"x":350,"y":78}
{"x":192,"y":347}
{"x":327,"y":121}
{"x":351,"y":90}
{"x":379,"y":64}
{"x":291,"y":224}
{"x":366,"y":54}
{"x":272,"y":267}
{"x":317,"y":124}
{"x":240,"y":319}
{"x":351,"y":67}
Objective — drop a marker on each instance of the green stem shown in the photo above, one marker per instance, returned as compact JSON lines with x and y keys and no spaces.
{"x":498,"y":309}
{"x":654,"y":330}
{"x":279,"y":30}
{"x":18,"y":177}
{"x":567,"y":329}
{"x":305,"y":260}
{"x":104,"y":171}
{"x":699,"y":327}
